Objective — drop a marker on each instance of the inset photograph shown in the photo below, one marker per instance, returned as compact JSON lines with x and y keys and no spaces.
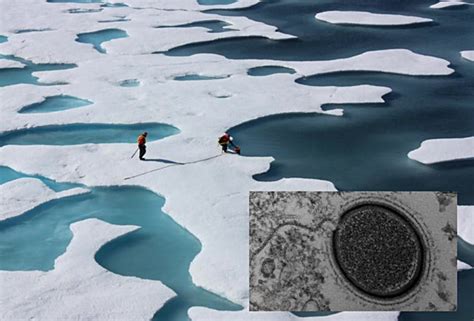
{"x":353,"y":251}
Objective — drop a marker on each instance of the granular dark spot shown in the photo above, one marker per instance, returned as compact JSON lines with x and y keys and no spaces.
{"x":450,"y":231}
{"x":378,"y":250}
{"x":268,"y":266}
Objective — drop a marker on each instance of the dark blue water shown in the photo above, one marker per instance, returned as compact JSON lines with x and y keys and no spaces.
{"x":118,"y":19}
{"x":55,"y":103}
{"x":130,"y":83}
{"x":32,"y":30}
{"x":74,"y":134}
{"x":451,"y":31}
{"x":366,"y":149}
{"x":114,"y":5}
{"x":213,"y":26}
{"x":96,"y":38}
{"x":198,"y":77}
{"x":215,"y":2}
{"x":13,"y":76}
{"x":465,"y":252}
{"x":269,"y":70}
{"x":3,"y":39}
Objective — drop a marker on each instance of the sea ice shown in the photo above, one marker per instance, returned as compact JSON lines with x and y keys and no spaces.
{"x":443,"y":150}
{"x":448,"y":4}
{"x":463,"y":266}
{"x":23,"y":194}
{"x":466,"y":223}
{"x":143,"y":38}
{"x":468,"y":54}
{"x":78,"y":287}
{"x":6,"y":63}
{"x":369,"y":18}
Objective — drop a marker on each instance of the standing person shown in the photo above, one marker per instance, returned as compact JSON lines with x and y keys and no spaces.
{"x":141,"y":145}
{"x":226,"y":140}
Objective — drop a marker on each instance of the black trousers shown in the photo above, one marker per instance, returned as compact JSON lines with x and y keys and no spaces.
{"x":142,"y":150}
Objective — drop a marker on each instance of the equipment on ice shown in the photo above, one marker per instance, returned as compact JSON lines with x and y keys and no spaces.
{"x":136,"y":150}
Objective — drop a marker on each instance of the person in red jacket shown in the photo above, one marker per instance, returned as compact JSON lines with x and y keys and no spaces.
{"x":141,"y":145}
{"x":226,"y":140}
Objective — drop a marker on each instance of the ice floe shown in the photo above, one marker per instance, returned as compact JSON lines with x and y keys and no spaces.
{"x":466,"y":223}
{"x":369,"y":18}
{"x":143,"y":37}
{"x":443,"y":150}
{"x":448,"y":4}
{"x":114,"y":105}
{"x":5,"y":63}
{"x":468,"y":54}
{"x":23,"y":194}
{"x":463,"y":266}
{"x":465,"y":228}
{"x":399,"y":61}
{"x":78,"y":288}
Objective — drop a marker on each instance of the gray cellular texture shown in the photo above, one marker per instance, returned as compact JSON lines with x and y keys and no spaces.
{"x":335,"y":251}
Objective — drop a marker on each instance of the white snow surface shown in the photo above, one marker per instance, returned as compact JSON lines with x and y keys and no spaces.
{"x":369,"y":18}
{"x":4,"y":64}
{"x":23,"y":194}
{"x":204,"y":314}
{"x":468,"y":54}
{"x":465,"y":229}
{"x":144,"y":37}
{"x":209,"y":197}
{"x":78,"y":288}
{"x":157,"y":92}
{"x":466,"y":223}
{"x":443,"y":149}
{"x":463,"y":266}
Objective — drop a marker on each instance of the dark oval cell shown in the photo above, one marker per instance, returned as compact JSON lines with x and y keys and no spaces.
{"x":268,"y":266}
{"x":378,"y":250}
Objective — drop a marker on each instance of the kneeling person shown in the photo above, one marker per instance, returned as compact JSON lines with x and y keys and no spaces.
{"x":226,"y":140}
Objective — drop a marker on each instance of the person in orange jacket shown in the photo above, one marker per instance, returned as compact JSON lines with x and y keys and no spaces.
{"x":141,"y":145}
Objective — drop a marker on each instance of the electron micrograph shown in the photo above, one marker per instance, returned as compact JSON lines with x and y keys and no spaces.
{"x":336,"y":251}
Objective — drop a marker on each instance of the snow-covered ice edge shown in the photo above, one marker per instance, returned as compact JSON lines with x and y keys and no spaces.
{"x":449,"y":4}
{"x":24,"y":194}
{"x":468,"y":54}
{"x":433,"y":151}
